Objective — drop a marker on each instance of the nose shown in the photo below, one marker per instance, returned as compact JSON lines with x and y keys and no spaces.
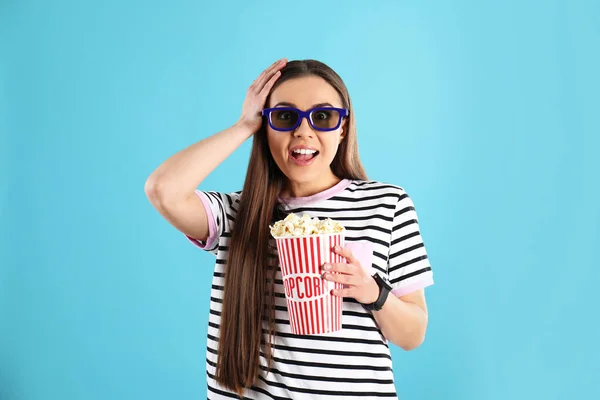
{"x":304,"y":129}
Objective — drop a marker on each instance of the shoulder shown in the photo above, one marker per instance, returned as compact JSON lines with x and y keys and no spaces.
{"x":230,"y":199}
{"x":374,"y":188}
{"x":234,"y":196}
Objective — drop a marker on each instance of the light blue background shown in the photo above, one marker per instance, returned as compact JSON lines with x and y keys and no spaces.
{"x":486,"y":112}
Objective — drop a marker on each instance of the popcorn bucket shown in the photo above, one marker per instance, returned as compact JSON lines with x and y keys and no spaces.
{"x":312,"y":308}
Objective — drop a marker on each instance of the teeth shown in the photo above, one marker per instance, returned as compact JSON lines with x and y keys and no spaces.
{"x":305,"y":151}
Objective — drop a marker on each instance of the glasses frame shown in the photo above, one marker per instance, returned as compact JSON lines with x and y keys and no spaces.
{"x":343,"y":112}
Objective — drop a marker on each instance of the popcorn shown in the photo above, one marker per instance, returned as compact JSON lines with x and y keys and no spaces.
{"x":294,"y":225}
{"x":303,"y":245}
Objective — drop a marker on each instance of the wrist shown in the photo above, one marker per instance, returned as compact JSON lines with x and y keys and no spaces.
{"x":246,"y":128}
{"x":373,"y":291}
{"x":383,"y":289}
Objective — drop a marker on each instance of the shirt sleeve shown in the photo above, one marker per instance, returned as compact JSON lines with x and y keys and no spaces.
{"x":408,"y":264}
{"x":221,"y":209}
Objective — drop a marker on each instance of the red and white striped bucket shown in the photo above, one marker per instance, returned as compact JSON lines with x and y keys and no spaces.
{"x":311,"y":306}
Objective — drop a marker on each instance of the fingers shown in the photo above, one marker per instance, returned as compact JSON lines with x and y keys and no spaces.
{"x":342,"y":268}
{"x":344,"y":279}
{"x":347,"y":254}
{"x":260,"y":79}
{"x":270,"y":84}
{"x":348,"y":292}
{"x":364,"y":290}
{"x":267,"y":74}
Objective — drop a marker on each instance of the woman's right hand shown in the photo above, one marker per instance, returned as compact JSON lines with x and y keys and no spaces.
{"x":256,"y":96}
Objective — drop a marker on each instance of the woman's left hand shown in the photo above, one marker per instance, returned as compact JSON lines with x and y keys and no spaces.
{"x":359,"y":284}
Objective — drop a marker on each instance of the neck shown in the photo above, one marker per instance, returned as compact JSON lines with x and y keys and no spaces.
{"x":304,"y":189}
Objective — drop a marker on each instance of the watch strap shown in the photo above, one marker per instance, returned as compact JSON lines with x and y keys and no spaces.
{"x":384,"y":290}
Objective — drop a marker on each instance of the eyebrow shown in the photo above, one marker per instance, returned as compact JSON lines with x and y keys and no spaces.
{"x":288,"y":104}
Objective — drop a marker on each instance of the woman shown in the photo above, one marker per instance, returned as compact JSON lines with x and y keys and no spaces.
{"x":304,"y":159}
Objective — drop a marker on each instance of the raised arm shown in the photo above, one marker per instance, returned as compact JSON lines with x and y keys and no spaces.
{"x":170,"y":188}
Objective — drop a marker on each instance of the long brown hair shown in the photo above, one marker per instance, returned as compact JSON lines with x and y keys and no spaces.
{"x":250,"y":274}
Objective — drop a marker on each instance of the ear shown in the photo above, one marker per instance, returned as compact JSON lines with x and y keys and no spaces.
{"x":342,"y":133}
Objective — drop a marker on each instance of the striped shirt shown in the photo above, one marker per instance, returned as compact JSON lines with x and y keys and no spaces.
{"x":383,"y":233}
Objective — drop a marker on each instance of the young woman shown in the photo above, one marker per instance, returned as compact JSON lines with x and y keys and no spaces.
{"x":304,"y":159}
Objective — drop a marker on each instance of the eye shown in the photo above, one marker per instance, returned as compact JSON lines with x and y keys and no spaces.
{"x":322,"y":115}
{"x":284,"y":115}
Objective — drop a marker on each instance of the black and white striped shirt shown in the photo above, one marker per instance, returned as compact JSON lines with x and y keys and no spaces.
{"x":382,"y":231}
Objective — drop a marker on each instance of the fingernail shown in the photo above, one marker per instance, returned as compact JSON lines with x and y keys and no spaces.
{"x":338,"y":248}
{"x":327,"y":266}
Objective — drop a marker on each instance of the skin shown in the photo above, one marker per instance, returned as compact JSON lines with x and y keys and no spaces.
{"x":304,"y":93}
{"x":402,"y":320}
{"x":170,"y":188}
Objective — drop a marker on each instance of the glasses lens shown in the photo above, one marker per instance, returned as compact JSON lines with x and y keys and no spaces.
{"x":284,"y":119}
{"x":324,"y":118}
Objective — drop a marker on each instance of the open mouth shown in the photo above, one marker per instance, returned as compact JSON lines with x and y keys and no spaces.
{"x":304,"y":155}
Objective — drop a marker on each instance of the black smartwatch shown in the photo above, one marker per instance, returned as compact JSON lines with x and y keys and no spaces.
{"x":384,"y":290}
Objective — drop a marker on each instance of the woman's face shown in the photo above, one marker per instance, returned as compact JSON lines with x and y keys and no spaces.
{"x":305,"y":169}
